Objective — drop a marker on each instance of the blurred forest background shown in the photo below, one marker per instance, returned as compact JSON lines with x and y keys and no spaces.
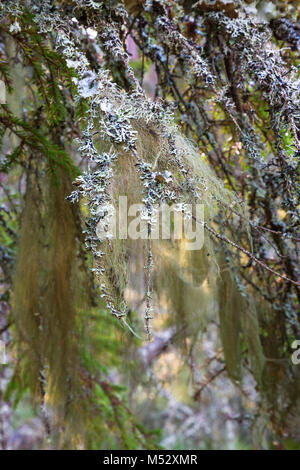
{"x":134,"y":344}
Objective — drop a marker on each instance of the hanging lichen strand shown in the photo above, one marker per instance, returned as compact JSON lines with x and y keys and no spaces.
{"x":47,"y":301}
